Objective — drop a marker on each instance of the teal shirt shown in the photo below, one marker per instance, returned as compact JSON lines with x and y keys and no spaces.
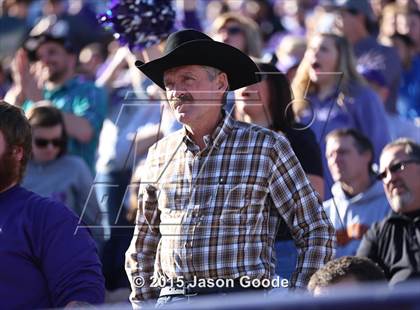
{"x":84,"y":99}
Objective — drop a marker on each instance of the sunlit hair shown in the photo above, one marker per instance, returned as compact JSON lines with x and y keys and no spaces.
{"x":253,"y":38}
{"x":411,"y":148}
{"x":346,"y":65}
{"x":362,"y":269}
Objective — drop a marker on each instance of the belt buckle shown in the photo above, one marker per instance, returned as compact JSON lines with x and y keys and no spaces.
{"x":170,"y":291}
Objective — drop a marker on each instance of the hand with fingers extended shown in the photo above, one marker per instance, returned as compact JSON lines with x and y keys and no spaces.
{"x":27,"y":78}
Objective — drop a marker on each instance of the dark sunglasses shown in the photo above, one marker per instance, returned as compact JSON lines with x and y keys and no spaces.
{"x":42,"y":143}
{"x":233,"y":30}
{"x":396,"y":167}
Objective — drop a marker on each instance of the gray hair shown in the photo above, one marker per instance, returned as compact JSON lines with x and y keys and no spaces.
{"x":411,"y":148}
{"x":212,"y":73}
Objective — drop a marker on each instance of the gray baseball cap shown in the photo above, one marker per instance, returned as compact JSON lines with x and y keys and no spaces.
{"x":361,"y":6}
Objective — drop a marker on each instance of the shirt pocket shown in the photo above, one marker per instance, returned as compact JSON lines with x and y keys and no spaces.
{"x":239,"y":203}
{"x":172,"y":197}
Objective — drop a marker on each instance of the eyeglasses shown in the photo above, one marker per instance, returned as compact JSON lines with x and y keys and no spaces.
{"x":233,"y":30}
{"x":396,"y":167}
{"x":43,"y":143}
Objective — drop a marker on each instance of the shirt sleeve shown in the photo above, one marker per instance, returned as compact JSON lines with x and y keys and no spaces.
{"x":91,"y":104}
{"x":91,"y":213}
{"x":301,"y":209}
{"x":141,"y":254}
{"x":371,"y":120}
{"x":368,"y":246}
{"x":67,"y":256}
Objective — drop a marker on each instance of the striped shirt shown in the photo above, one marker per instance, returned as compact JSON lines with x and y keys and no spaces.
{"x":214,"y":213}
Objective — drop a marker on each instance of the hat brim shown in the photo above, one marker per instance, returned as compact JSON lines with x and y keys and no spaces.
{"x":32,"y":43}
{"x":240,"y":69}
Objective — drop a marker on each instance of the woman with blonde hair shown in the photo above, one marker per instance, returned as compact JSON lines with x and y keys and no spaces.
{"x":239,"y":31}
{"x":329,"y":93}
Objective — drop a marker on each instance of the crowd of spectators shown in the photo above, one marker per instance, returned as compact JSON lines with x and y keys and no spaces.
{"x":340,"y":79}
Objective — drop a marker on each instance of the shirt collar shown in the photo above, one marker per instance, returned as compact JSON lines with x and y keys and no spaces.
{"x":66,"y":85}
{"x":412,"y":216}
{"x":214,"y":140}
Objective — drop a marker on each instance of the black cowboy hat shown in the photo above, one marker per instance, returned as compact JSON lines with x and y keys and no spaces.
{"x":191,"y":47}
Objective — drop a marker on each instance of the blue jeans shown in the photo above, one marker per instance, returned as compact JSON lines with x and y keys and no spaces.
{"x":286,"y":255}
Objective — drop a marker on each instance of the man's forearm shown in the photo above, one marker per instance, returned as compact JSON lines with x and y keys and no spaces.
{"x":78,"y":128}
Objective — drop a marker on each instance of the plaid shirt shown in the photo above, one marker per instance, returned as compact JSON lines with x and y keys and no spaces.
{"x":214,"y":213}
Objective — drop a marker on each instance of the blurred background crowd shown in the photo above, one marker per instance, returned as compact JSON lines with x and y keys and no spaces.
{"x":341,"y":79}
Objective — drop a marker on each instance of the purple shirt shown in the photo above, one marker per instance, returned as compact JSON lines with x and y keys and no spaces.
{"x":43,"y":262}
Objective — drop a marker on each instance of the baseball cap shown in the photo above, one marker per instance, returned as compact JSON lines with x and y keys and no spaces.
{"x":360,"y":6}
{"x":48,"y":31}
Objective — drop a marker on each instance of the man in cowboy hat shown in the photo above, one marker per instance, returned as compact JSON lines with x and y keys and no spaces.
{"x":212,"y":193}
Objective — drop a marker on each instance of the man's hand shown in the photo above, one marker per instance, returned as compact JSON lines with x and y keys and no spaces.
{"x":25,"y":80}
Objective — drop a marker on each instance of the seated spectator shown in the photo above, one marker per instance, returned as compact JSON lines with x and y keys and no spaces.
{"x":356,"y":22}
{"x":344,"y":271}
{"x":358,"y":198}
{"x":387,"y":23}
{"x":394,"y":242}
{"x":330,"y":94}
{"x":408,"y":104}
{"x":91,"y":59}
{"x":379,"y":7}
{"x":239,"y":31}
{"x":51,"y":172}
{"x":408,"y":23}
{"x":289,"y":54}
{"x":398,"y":126}
{"x":267,"y":104}
{"x":262,"y":12}
{"x":47,"y":261}
{"x":52,"y":77}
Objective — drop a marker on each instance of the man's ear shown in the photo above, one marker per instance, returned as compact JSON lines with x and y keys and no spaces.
{"x":18,"y":152}
{"x":222,"y":82}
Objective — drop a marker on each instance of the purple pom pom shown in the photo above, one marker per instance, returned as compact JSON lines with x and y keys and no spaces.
{"x":139,"y":23}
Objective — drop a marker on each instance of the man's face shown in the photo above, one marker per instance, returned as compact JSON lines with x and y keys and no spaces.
{"x":194,"y":93}
{"x":346,"y":21}
{"x":54,"y":60}
{"x":344,"y":160}
{"x":402,"y":187}
{"x":9,"y":165}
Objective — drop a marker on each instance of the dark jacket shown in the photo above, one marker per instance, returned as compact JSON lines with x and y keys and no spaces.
{"x":394,"y":243}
